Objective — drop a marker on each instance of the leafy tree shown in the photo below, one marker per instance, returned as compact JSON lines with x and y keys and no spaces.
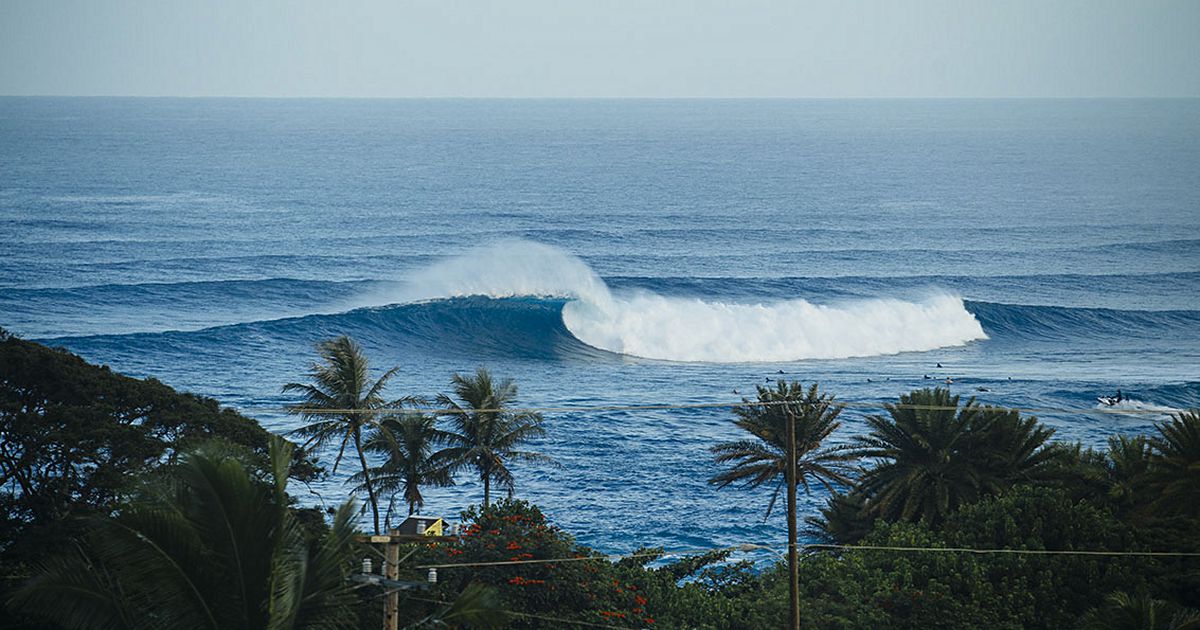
{"x":213,"y":545}
{"x":512,"y":546}
{"x":1048,"y":591}
{"x":343,"y":404}
{"x":933,"y":456}
{"x":804,"y":418}
{"x":408,"y":442}
{"x":485,"y":434}
{"x":73,"y":434}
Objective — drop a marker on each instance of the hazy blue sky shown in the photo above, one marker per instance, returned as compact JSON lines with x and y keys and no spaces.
{"x":643,"y":48}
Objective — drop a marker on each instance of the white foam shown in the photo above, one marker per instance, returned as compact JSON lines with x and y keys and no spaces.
{"x":1130,"y":404}
{"x":678,"y":329}
{"x":653,"y":326}
{"x":508,"y":268}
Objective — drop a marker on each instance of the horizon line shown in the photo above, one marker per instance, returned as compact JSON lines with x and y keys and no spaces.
{"x":609,"y":98}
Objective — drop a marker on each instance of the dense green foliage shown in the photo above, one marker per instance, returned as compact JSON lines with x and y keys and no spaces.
{"x":156,"y":525}
{"x":579,"y":584}
{"x":73,"y":434}
{"x":931,"y":456}
{"x":211,"y":543}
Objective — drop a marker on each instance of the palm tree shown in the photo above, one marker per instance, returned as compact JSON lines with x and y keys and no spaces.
{"x":1126,"y":465}
{"x":789,"y":425}
{"x":763,"y":460}
{"x":343,"y":404}
{"x":933,"y":456}
{"x":1123,"y":611}
{"x":214,"y":546}
{"x":408,"y":442}
{"x":1175,"y":465}
{"x":484,"y":433}
{"x":844,"y":520}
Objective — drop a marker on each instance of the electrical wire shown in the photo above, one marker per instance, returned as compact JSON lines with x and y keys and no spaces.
{"x":312,"y":411}
{"x":819,"y":547}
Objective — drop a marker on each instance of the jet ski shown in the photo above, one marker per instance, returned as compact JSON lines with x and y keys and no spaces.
{"x":1110,"y":401}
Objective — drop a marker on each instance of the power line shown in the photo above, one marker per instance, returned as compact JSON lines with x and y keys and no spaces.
{"x":1029,"y":552}
{"x":715,"y":405}
{"x":822,"y":547}
{"x":605,"y":557}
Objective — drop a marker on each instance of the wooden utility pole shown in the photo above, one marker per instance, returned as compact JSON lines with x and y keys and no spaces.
{"x":793,"y":565}
{"x":391,"y":606}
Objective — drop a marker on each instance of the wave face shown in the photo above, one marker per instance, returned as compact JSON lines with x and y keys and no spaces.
{"x":645,"y":324}
{"x":1054,"y":323}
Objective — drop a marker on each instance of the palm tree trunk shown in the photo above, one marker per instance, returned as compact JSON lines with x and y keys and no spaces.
{"x":793,"y":566}
{"x":362,"y":459}
{"x":487,"y":488}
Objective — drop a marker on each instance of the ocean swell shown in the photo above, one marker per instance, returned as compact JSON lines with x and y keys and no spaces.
{"x":648,"y":325}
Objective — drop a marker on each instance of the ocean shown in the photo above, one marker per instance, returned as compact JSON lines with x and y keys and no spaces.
{"x":1039,"y":253}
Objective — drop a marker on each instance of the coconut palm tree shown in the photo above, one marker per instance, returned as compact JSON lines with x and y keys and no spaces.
{"x":788,"y":425}
{"x":763,"y":459}
{"x":343,"y":405}
{"x":933,"y":456}
{"x":844,"y":520}
{"x":1126,"y":465}
{"x":1175,"y":465}
{"x":1123,"y":611}
{"x":214,"y":546}
{"x":484,"y":434}
{"x":408,"y":442}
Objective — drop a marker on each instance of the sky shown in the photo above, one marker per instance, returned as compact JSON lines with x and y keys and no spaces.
{"x":601,"y":48}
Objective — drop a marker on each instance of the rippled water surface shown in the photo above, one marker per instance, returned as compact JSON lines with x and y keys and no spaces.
{"x":619,"y":252}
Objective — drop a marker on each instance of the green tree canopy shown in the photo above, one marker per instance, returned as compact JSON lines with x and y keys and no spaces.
{"x":931,"y":455}
{"x":72,"y":434}
{"x":211,"y":545}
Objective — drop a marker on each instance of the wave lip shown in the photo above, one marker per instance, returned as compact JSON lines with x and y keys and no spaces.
{"x":688,"y":329}
{"x":652,"y":326}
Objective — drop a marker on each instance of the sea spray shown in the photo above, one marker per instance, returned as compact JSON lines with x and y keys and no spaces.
{"x":508,"y":268}
{"x":652,"y":326}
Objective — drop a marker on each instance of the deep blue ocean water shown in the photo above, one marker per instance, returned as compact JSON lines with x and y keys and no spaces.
{"x":619,"y":252}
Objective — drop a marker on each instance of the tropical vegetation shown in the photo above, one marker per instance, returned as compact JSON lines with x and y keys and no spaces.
{"x":408,"y":442}
{"x":343,"y":405}
{"x":485,"y":434}
{"x":125,"y":504}
{"x":210,"y":544}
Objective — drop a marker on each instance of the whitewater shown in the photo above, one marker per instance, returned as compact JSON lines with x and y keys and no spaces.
{"x":648,"y":325}
{"x":618,"y":254}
